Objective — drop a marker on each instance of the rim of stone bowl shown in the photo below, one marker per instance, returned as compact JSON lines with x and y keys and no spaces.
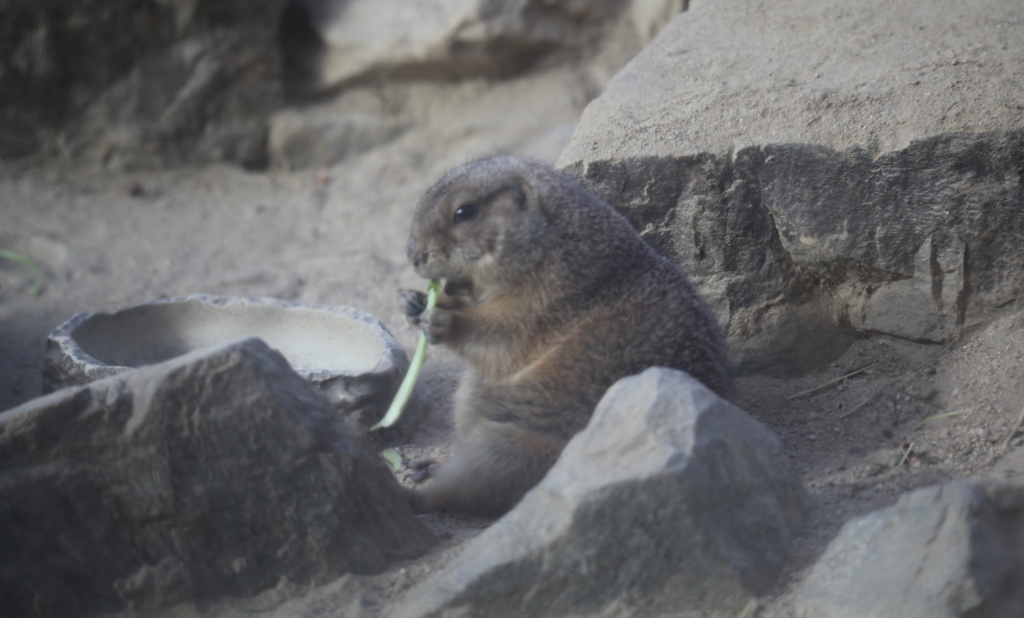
{"x":89,"y":368}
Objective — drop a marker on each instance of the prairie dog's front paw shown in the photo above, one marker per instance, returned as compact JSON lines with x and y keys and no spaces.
{"x":412,"y":303}
{"x":436,"y":324}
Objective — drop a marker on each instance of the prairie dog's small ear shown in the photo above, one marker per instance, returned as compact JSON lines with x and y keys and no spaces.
{"x":533,"y":193}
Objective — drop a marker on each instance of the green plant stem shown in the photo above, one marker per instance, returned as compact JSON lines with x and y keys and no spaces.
{"x":393,"y":458}
{"x":37,"y":272}
{"x":409,"y":383}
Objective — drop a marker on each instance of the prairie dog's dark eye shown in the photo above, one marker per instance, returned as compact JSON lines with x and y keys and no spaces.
{"x":464,"y":213}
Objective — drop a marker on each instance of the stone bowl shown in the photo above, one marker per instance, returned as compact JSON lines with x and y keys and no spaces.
{"x":348,"y":353}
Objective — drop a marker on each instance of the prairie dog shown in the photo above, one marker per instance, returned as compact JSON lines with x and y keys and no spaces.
{"x":550,"y":297}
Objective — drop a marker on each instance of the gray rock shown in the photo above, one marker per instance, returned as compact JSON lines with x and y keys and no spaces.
{"x":650,"y":16}
{"x":132,"y":85}
{"x":151,"y":587}
{"x":448,"y":38}
{"x":954,"y":550}
{"x":672,"y":501}
{"x":305,"y":139}
{"x":215,"y":473}
{"x":348,"y":353}
{"x":864,"y":174}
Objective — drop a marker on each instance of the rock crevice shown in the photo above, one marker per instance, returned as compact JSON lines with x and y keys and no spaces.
{"x":902,"y":243}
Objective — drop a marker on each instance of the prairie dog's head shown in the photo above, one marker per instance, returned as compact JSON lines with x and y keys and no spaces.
{"x":483,"y":223}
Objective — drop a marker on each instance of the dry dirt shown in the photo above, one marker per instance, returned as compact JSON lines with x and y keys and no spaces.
{"x":908,"y":415}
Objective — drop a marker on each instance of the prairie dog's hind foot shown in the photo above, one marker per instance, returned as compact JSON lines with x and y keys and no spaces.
{"x":421,"y":470}
{"x":488,"y":474}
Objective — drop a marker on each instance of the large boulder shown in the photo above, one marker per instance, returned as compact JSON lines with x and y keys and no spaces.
{"x":357,"y":40}
{"x":824,"y":166}
{"x":948,"y":551}
{"x":131,"y":84}
{"x":447,"y":38}
{"x":671,"y":501}
{"x":218,"y":472}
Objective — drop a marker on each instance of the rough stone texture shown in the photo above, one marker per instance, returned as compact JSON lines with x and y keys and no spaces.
{"x":385,"y":56}
{"x":215,"y":473}
{"x":671,"y":501}
{"x":448,"y":38}
{"x":348,"y":353}
{"x":139,"y":84}
{"x":851,"y":165}
{"x":650,"y":16}
{"x":310,"y":137}
{"x":954,"y":550}
{"x":451,"y":122}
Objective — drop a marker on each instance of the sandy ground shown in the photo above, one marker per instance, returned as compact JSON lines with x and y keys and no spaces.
{"x":911,"y":415}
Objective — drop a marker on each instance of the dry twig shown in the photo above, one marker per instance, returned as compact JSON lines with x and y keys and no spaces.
{"x":878,"y":391}
{"x":888,"y":384}
{"x":1013,"y":430}
{"x":935,"y":417}
{"x":922,"y":400}
{"x":906,"y":453}
{"x":827,"y":384}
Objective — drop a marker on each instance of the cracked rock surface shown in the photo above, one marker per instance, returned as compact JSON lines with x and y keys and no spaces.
{"x":221,"y":471}
{"x":671,"y":501}
{"x":876,"y":188}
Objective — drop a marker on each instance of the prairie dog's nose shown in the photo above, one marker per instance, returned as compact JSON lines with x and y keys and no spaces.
{"x":417,"y":255}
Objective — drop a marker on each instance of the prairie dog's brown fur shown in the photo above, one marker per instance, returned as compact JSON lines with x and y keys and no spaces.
{"x":550,"y":296}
